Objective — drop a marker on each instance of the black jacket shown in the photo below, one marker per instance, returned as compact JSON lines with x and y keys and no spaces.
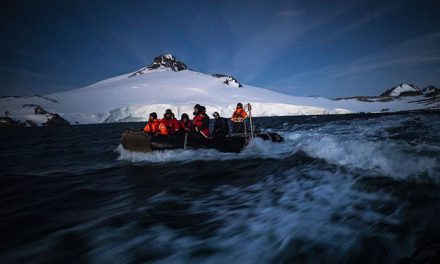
{"x":221,"y":127}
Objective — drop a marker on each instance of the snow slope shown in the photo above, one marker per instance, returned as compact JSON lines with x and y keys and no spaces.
{"x":403,"y":89}
{"x":125,"y":98}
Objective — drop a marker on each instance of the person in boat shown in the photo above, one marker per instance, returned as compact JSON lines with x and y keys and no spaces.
{"x":152,"y":126}
{"x":168,"y":124}
{"x":201,"y":121}
{"x":238,"y":119}
{"x":221,"y":127}
{"x":185,"y":124}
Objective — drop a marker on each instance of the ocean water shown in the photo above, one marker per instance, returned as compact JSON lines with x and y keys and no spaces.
{"x":340,"y":189}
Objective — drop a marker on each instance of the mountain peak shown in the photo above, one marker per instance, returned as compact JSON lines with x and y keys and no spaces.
{"x":403,"y":89}
{"x":162,"y":62}
{"x":167,"y":61}
{"x":431,"y":90}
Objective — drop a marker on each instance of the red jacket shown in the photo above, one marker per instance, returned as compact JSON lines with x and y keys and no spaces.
{"x":172,"y":125}
{"x":201,"y":122}
{"x":184,"y":126}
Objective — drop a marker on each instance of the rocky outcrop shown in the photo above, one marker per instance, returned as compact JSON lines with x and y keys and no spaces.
{"x":11,"y":123}
{"x":56,"y":120}
{"x":38,"y":110}
{"x":403,"y":90}
{"x":169,"y":62}
{"x":228,"y":80}
{"x":29,"y":123}
{"x":8,"y":122}
{"x":431,"y":91}
{"x":166,"y":61}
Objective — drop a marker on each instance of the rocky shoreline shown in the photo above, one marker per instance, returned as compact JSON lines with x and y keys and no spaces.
{"x":53,"y":119}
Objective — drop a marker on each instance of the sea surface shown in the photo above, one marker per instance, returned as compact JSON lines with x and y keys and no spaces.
{"x":340,"y":189}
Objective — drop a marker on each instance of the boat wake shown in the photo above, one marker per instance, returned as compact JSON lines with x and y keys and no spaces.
{"x":377,"y":156}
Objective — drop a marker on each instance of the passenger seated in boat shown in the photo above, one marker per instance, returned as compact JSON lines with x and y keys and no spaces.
{"x":168,"y":124}
{"x":238,"y":119}
{"x":185,"y":124}
{"x":201,"y":120}
{"x":221,"y":127}
{"x":152,"y":126}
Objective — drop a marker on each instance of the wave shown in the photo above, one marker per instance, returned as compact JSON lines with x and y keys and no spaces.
{"x":257,"y":148}
{"x":387,"y":158}
{"x":395,"y":159}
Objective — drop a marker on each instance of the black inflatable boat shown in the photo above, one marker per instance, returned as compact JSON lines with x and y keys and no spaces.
{"x":138,"y":140}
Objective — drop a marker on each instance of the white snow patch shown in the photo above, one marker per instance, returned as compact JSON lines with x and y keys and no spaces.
{"x":403,"y":88}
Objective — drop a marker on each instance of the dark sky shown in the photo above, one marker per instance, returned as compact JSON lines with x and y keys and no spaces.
{"x":325,"y":48}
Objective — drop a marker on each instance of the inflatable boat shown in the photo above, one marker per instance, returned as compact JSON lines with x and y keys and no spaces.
{"x":138,"y":140}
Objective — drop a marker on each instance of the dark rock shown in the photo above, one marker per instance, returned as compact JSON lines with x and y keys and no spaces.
{"x":168,"y":61}
{"x":219,"y":75}
{"x":385,"y":99}
{"x":8,"y":122}
{"x":29,"y":123}
{"x":162,"y":61}
{"x":40,"y":111}
{"x":30,"y":105}
{"x":56,"y":120}
{"x":411,"y":93}
{"x":431,"y":91}
{"x":229,"y":80}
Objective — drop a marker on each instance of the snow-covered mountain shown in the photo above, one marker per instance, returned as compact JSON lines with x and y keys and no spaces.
{"x":403,"y":90}
{"x":162,"y":62}
{"x":431,"y":90}
{"x":168,"y":83}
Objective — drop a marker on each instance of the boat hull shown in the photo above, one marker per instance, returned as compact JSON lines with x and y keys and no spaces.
{"x":143,"y":142}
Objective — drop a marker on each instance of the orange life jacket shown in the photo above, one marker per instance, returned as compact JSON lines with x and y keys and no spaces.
{"x":163,"y":129}
{"x":152,"y":127}
{"x":239,"y":115}
{"x":168,"y":126}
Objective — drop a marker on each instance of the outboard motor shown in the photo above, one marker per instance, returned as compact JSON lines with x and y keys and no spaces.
{"x":274,"y":137}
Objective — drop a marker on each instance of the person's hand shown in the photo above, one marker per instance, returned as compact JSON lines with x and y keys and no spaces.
{"x":197,"y":129}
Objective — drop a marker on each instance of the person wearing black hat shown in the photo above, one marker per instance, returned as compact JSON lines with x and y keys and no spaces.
{"x":168,"y":124}
{"x":238,"y":118}
{"x":201,"y":120}
{"x":221,"y":127}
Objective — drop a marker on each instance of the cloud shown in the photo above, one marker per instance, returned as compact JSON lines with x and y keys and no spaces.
{"x":402,"y":59}
{"x":25,"y":73}
{"x":289,"y":13}
{"x":258,"y":50}
{"x":367,"y":18}
{"x":413,"y":52}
